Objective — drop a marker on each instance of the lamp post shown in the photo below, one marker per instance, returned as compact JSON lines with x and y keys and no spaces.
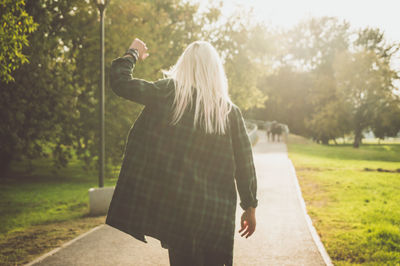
{"x":101,"y":5}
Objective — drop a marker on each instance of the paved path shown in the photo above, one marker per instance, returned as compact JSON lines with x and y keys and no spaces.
{"x":282,"y":235}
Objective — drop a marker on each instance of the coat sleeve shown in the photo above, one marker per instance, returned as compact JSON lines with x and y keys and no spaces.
{"x":245,"y":174}
{"x":124,"y":85}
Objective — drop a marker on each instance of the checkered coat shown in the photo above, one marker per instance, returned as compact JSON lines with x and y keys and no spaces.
{"x":176,"y":183}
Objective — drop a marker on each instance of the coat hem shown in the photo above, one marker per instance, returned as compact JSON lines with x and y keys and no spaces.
{"x":164,"y":244}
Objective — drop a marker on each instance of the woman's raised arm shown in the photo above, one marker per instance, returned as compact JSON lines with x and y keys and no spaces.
{"x":124,"y":85}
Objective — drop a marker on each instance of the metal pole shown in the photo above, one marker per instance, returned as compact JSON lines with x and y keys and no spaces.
{"x":101,"y":102}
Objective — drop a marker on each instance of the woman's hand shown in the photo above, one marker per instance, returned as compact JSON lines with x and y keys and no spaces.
{"x":141,"y":47}
{"x":248,"y":222}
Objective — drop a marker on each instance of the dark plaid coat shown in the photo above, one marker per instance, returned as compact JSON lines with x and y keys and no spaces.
{"x":176,"y":183}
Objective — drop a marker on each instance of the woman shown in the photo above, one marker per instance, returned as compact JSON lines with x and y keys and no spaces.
{"x":182,"y":157}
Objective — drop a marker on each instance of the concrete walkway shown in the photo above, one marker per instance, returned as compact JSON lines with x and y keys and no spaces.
{"x":284,"y":235}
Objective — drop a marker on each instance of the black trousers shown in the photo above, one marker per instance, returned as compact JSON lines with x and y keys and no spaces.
{"x":205,"y":258}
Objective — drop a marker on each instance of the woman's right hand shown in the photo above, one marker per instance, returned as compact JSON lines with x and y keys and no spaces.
{"x":141,"y":47}
{"x":248,"y":222}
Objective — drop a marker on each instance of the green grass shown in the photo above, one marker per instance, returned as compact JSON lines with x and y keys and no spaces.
{"x":356,"y":212}
{"x":41,"y":196}
{"x":41,"y":209}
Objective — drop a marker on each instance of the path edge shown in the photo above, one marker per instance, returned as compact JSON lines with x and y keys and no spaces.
{"x":51,"y":252}
{"x":311,"y":228}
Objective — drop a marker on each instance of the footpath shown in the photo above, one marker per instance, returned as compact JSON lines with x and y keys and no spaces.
{"x":284,"y":234}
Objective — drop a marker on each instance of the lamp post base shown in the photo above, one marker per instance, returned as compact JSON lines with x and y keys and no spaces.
{"x":99,"y":200}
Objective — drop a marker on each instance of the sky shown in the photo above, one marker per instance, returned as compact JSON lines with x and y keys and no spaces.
{"x":384,"y":14}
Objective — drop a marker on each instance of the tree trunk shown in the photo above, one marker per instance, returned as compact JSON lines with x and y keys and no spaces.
{"x":357,"y":138}
{"x":325,"y":141}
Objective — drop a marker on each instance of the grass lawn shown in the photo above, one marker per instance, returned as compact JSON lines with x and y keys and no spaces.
{"x":42,"y":210}
{"x":355,"y":211}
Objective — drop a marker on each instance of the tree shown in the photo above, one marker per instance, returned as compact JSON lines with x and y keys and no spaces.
{"x":302,"y":93}
{"x":38,"y":108}
{"x":365,"y":81}
{"x":246,"y":49}
{"x":16,"y":25}
{"x":288,"y":93}
{"x":387,"y":123}
{"x":313,"y":43}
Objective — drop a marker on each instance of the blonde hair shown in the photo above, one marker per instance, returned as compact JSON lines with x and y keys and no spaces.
{"x":199,"y":70}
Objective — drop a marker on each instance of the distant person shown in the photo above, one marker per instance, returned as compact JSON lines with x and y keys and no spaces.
{"x":268,"y":132}
{"x":285,"y":130}
{"x":177,"y":178}
{"x":276,"y":130}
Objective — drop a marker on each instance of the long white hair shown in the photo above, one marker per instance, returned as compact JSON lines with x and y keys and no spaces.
{"x":199,"y":70}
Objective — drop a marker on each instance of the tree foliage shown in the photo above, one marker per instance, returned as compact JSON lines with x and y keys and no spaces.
{"x":16,"y":25}
{"x":246,"y":49}
{"x":52,"y":108}
{"x":332,"y":82}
